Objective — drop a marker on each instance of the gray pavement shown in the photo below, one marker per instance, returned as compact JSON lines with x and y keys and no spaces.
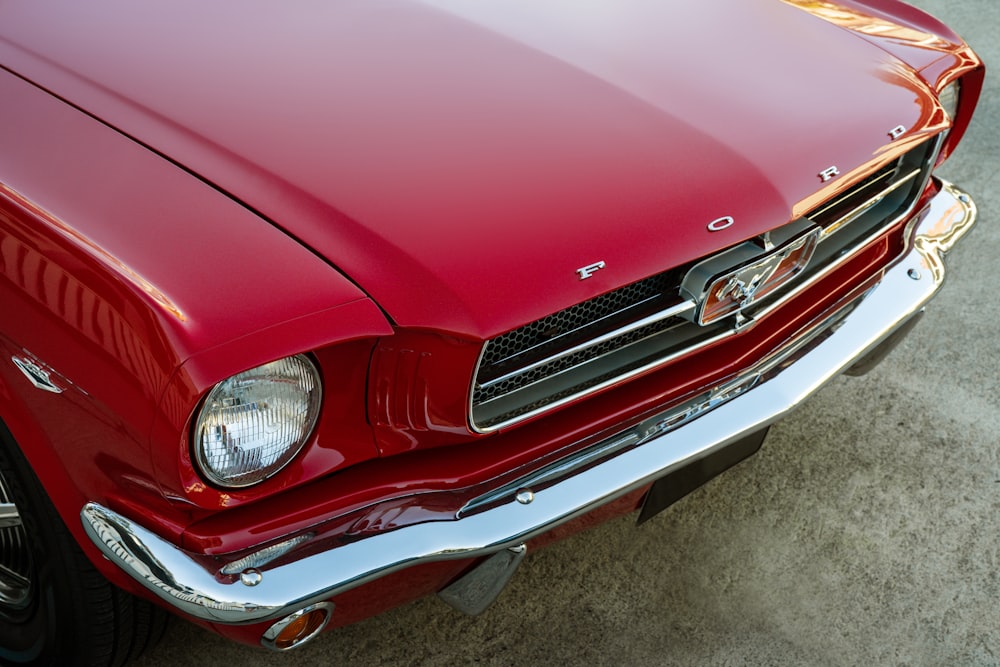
{"x":864,"y":532}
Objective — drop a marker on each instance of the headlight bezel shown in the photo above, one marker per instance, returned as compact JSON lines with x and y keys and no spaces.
{"x":258,"y":466}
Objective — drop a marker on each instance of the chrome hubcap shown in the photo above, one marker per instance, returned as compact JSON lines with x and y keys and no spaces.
{"x":15,"y":561}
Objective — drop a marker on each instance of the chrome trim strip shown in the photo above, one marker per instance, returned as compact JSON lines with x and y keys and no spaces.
{"x":617,"y":313}
{"x":264,"y":556}
{"x":555,"y":471}
{"x":10,"y":517}
{"x":803,"y":285}
{"x":603,"y":385}
{"x":857,"y":212}
{"x":832,"y":266}
{"x":880,"y":174}
{"x":674,"y":311}
{"x":182,"y":581}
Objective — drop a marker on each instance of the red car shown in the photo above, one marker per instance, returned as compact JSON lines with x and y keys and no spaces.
{"x":307,"y":310}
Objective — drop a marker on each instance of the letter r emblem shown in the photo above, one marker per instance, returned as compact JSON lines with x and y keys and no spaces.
{"x":828,"y":173}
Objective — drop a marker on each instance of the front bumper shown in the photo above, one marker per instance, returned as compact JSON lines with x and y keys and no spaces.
{"x":507,"y":517}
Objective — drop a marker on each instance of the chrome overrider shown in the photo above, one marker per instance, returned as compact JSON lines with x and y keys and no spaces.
{"x":507,"y":517}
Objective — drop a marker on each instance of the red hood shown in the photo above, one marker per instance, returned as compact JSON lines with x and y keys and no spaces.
{"x":460,"y":160}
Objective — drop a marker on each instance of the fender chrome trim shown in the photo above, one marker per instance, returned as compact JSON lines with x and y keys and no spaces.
{"x":514,"y":514}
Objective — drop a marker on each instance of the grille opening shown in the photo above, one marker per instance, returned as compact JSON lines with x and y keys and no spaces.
{"x":851,"y":219}
{"x":569,"y":328}
{"x":590,"y":345}
{"x":840,"y":206}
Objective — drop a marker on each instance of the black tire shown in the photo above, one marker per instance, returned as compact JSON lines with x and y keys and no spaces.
{"x":55,"y":607}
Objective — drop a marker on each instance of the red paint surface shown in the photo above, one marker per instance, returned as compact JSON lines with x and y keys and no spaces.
{"x":453,"y":157}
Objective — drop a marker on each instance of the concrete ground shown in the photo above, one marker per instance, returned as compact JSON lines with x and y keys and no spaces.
{"x":864,"y":532}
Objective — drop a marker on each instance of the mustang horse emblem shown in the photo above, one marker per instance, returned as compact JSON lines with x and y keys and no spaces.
{"x":743,"y":287}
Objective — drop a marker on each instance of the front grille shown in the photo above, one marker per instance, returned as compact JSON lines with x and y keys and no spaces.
{"x":620,"y":334}
{"x":577,"y":323}
{"x":852,"y":218}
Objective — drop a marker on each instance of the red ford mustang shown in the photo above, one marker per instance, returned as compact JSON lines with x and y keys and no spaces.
{"x":308,"y":309}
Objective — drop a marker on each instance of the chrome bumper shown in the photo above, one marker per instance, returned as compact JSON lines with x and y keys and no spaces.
{"x":515,"y":513}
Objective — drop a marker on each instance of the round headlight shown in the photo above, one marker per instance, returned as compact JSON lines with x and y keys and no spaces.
{"x":949,"y":99}
{"x":251,"y":425}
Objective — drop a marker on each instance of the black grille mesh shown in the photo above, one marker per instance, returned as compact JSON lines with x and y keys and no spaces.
{"x":558,"y":325}
{"x":546,"y":370}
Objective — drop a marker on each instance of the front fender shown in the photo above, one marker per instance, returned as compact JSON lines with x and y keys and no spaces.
{"x":117,"y":268}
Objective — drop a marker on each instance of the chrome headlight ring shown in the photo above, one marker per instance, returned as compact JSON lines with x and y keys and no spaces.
{"x":253,"y":424}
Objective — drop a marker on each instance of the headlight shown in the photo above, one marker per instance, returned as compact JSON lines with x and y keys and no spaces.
{"x":949,"y":99}
{"x":251,"y":425}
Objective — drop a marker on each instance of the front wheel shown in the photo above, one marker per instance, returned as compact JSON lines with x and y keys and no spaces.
{"x":55,"y":607}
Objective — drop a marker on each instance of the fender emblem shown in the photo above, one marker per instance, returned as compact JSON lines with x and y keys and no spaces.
{"x":589,"y":270}
{"x":721,"y":223}
{"x":37,"y":375}
{"x":828,"y":173}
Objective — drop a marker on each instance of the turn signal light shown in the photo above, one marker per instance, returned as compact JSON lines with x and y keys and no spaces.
{"x":296,"y":629}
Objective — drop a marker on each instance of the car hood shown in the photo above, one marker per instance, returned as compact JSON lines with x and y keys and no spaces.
{"x":460,"y":161}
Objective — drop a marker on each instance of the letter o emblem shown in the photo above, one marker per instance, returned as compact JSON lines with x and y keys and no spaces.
{"x":720,"y":224}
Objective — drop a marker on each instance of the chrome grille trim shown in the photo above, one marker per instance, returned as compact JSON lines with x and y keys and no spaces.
{"x":569,"y":321}
{"x":559,"y":402}
{"x":565,"y":335}
{"x":812,"y":279}
{"x":679,"y":310}
{"x":868,"y":205}
{"x":886,"y":187}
